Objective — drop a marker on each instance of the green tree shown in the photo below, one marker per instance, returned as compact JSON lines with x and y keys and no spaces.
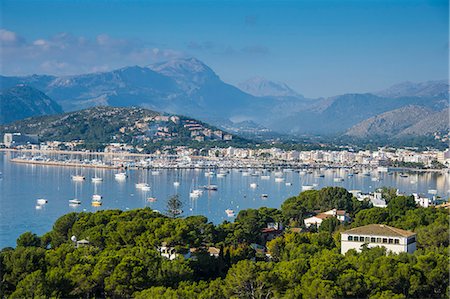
{"x":173,"y":207}
{"x":28,"y":239}
{"x":329,"y":225}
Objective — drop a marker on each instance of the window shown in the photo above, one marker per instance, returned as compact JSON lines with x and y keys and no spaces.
{"x":367,"y":239}
{"x":350,"y":238}
{"x":361,"y":239}
{"x":384,"y":240}
{"x":396,"y":241}
{"x":391,"y":241}
{"x":411,"y":240}
{"x":378,"y":240}
{"x":372,"y":240}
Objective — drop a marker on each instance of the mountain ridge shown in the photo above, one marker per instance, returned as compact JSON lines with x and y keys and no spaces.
{"x":23,"y":101}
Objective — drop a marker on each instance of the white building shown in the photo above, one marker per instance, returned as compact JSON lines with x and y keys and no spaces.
{"x":393,"y":239}
{"x":341,"y":215}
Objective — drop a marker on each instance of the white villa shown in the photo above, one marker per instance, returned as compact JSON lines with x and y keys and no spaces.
{"x":341,"y":215}
{"x":393,"y":239}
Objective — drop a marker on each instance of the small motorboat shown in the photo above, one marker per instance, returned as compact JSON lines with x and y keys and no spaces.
{"x":96,"y":179}
{"x":74,"y":201}
{"x":78,"y":178}
{"x":230,"y":212}
{"x":151,"y":199}
{"x":120,"y":176}
{"x":41,"y":201}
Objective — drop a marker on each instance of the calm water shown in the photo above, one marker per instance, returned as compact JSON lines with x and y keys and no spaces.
{"x":21,"y":185}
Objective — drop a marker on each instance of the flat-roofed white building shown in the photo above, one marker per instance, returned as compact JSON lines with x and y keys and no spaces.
{"x":393,"y":239}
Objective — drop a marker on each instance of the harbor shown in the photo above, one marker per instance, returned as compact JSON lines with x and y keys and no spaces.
{"x":203,"y":191}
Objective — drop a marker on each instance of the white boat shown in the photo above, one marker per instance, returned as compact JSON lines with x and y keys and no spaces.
{"x":78,"y":178}
{"x":97,"y":197}
{"x":279,"y":180}
{"x":195,"y":193}
{"x":230,"y":212}
{"x":120,"y":176}
{"x":96,"y":179}
{"x":253,"y":185}
{"x":307,"y":187}
{"x":315,"y":185}
{"x":265,"y":177}
{"x":176,"y":184}
{"x":302,"y":172}
{"x":288,"y":184}
{"x":375,"y":179}
{"x":321,"y":175}
{"x":264,"y":196}
{"x":74,"y":201}
{"x":382,"y":169}
{"x":151,"y":199}
{"x":221,"y":175}
{"x":278,"y":173}
{"x":38,"y":207}
{"x":141,"y":185}
{"x":245,"y":173}
{"x":145,"y":188}
{"x":155,"y":172}
{"x":338,"y":179}
{"x":41,"y":201}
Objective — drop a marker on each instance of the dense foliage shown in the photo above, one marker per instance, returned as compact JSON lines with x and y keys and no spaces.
{"x":122,"y":258}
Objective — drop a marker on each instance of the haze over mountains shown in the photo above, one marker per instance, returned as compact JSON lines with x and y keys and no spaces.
{"x":189,"y":87}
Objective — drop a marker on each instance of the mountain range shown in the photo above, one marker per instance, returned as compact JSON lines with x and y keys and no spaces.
{"x":187,"y":86}
{"x":21,"y":101}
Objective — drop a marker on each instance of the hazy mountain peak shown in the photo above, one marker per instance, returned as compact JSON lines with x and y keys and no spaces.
{"x":261,"y":87}
{"x":413,"y":89}
{"x":182,"y":66}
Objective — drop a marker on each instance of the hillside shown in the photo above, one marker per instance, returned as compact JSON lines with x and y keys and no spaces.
{"x":437,"y":122}
{"x":23,"y":101}
{"x":390,"y":123}
{"x":118,"y":124}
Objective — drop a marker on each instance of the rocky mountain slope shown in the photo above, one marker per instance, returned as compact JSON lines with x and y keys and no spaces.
{"x":22,"y":101}
{"x":390,"y":123}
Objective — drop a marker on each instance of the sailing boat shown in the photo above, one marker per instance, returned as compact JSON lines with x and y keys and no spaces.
{"x":144,"y":186}
{"x":96,"y":198}
{"x":210,"y":187}
{"x":75,"y":201}
{"x":195,"y":193}
{"x":77,"y":177}
{"x":96,"y":178}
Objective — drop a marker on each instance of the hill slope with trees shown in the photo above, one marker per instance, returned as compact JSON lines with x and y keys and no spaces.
{"x":122,"y":259}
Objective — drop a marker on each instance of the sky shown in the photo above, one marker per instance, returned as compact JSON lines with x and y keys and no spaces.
{"x":319,"y":48}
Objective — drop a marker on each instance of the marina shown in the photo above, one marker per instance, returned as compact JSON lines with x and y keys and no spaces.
{"x":236,"y":189}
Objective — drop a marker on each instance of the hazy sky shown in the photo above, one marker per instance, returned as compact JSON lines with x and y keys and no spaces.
{"x":319,"y":48}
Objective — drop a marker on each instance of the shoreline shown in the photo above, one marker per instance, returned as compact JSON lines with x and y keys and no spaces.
{"x":236,"y":163}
